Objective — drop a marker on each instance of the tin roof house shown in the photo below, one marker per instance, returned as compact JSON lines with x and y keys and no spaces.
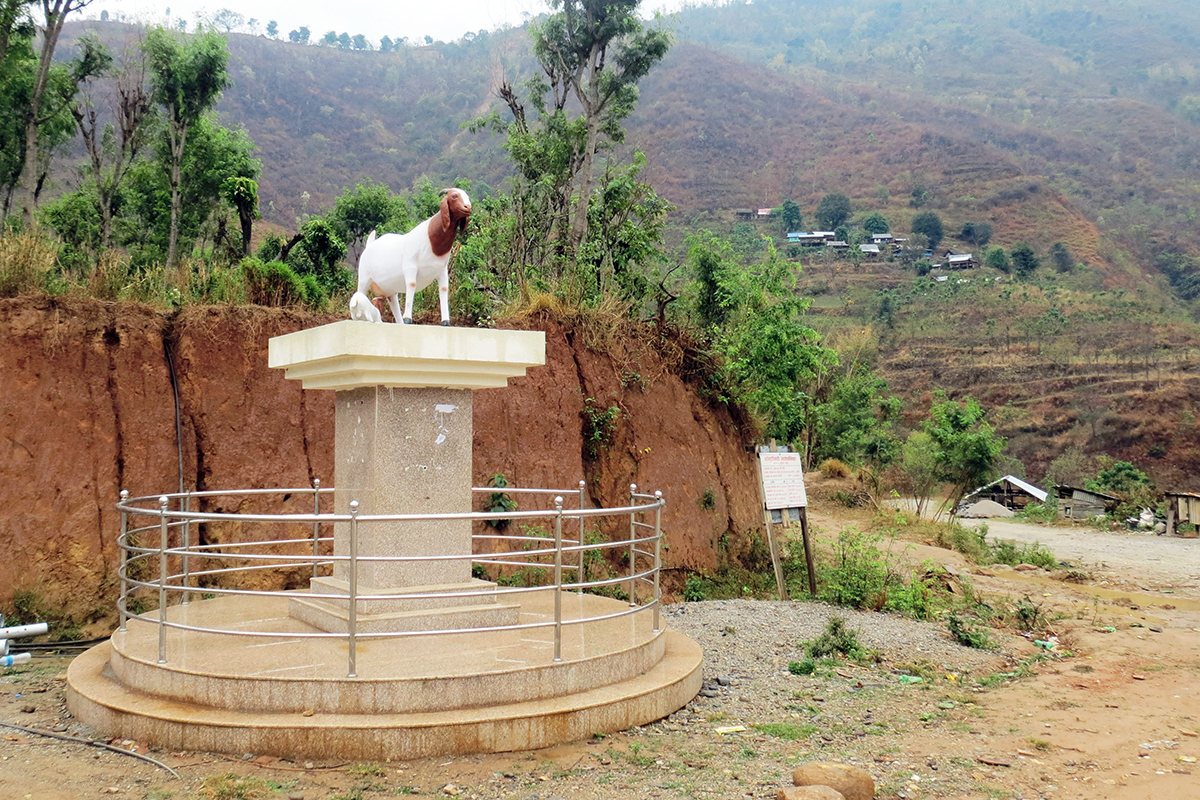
{"x":1077,"y":503}
{"x":1009,"y":491}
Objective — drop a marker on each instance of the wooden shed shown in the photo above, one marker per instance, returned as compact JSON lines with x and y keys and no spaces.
{"x":1183,"y":507}
{"x":1078,"y":503}
{"x":1009,"y":491}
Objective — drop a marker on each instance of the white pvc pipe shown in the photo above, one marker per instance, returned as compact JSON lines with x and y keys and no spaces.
{"x":19,"y":631}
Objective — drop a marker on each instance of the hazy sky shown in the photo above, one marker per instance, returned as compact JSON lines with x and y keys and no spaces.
{"x":442,"y":19}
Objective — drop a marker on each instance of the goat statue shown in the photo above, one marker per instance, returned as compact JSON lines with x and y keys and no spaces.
{"x":409,"y":262}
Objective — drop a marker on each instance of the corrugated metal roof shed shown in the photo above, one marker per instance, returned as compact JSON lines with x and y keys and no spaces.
{"x":1016,"y":483}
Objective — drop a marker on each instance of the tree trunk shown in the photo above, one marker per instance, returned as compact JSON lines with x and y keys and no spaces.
{"x":247,"y":228}
{"x":579,"y":224}
{"x":28,"y":182}
{"x":178,"y":137}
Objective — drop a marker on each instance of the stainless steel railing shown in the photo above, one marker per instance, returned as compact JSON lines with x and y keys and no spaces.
{"x":175,"y":567}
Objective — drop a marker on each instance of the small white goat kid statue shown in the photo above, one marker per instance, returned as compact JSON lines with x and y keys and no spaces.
{"x":409,"y":262}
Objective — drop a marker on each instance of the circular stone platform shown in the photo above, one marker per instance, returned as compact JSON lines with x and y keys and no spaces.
{"x":416,"y":696}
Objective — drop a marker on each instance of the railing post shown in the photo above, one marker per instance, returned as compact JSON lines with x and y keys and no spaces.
{"x":162,"y":578}
{"x":632,"y":545}
{"x":316,"y":525}
{"x":185,"y":542}
{"x":657,"y":560}
{"x":352,"y":616}
{"x":558,"y":520}
{"x":123,"y":568}
{"x":581,"y":571}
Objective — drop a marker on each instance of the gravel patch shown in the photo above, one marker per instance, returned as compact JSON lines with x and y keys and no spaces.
{"x":755,"y":637}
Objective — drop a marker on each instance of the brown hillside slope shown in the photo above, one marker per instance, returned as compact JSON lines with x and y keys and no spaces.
{"x":722,"y":134}
{"x":86,"y":409}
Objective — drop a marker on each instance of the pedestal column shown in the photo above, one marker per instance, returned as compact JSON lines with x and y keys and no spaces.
{"x":402,"y":445}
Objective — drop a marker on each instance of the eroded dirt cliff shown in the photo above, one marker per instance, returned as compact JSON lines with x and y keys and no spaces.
{"x":87,"y":408}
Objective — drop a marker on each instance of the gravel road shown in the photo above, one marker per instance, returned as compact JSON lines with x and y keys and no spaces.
{"x":1157,"y":559}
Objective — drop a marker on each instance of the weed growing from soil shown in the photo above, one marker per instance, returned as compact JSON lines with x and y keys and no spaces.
{"x":966,"y":633}
{"x":785,"y":730}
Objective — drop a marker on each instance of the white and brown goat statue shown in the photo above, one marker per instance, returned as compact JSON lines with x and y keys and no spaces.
{"x":409,"y":262}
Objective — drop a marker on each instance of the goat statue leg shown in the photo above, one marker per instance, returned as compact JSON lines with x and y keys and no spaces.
{"x":393,"y":301}
{"x":409,"y":294}
{"x":444,"y":294}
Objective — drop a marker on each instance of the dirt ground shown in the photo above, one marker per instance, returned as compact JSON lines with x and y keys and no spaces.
{"x":1112,"y":714}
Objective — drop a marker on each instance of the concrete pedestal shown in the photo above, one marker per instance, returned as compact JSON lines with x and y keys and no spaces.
{"x":403,"y":437}
{"x":298,"y":691}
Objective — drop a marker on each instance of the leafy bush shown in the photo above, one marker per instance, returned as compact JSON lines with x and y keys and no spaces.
{"x":599,"y":425}
{"x":859,"y":575}
{"x":971,"y":543}
{"x":499,"y":502}
{"x":1040,"y":512}
{"x":1006,"y":551}
{"x":275,"y":284}
{"x":838,"y":639}
{"x":694,"y":589}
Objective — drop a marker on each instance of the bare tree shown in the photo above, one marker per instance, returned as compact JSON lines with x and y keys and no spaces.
{"x":54,"y":15}
{"x":114,"y":146}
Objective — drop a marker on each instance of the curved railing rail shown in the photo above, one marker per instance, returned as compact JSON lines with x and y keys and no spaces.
{"x":172,"y":567}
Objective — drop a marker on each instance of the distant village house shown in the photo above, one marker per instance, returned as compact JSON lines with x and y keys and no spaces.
{"x":1009,"y":491}
{"x":1183,"y":508}
{"x":1077,"y":503}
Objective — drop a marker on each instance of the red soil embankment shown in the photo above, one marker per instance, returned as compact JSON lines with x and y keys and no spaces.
{"x":87,"y":409}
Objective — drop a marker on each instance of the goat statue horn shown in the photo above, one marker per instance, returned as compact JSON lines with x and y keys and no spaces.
{"x":443,"y":192}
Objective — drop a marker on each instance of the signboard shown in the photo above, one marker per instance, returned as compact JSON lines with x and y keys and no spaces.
{"x":782,"y":480}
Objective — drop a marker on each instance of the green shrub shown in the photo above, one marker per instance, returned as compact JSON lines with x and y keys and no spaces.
{"x":836,"y":639}
{"x":1040,"y":512}
{"x":967,"y":633}
{"x":499,"y":502}
{"x":275,"y":284}
{"x":1006,"y":551}
{"x":694,"y":589}
{"x":860,"y":573}
{"x":805,"y":667}
{"x":971,"y":543}
{"x":599,"y":424}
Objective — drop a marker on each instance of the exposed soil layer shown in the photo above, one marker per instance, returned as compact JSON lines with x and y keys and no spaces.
{"x":87,"y":408}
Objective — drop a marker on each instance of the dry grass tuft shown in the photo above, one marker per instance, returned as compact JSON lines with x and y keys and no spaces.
{"x":26,"y":260}
{"x":834,"y":468}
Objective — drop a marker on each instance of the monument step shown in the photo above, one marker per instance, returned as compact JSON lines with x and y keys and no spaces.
{"x":293,"y":671}
{"x":98,"y":699}
{"x":329,"y":616}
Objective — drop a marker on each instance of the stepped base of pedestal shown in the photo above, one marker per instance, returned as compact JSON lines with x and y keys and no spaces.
{"x":417,"y":695}
{"x":448,"y":606}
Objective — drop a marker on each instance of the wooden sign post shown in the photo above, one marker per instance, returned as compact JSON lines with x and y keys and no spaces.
{"x":781,"y":476}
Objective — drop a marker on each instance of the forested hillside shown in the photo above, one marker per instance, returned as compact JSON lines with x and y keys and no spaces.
{"x":1058,"y":143}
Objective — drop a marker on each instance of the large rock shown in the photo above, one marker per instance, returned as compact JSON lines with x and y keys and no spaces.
{"x":809,"y":793}
{"x":853,"y":783}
